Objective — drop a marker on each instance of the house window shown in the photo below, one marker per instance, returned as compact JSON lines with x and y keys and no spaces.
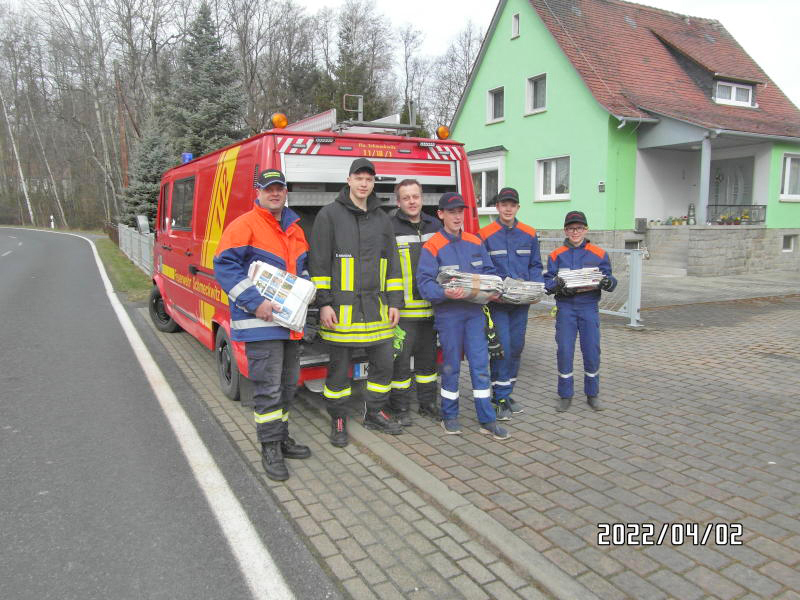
{"x":514,"y":26}
{"x":789,"y":243}
{"x":553,"y":175}
{"x":737,"y":94}
{"x":182,"y":204}
{"x":790,"y":182}
{"x":494,"y":105}
{"x":536,"y":94}
{"x":487,"y":179}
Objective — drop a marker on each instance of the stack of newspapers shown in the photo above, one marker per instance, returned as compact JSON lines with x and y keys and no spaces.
{"x":477,"y":288}
{"x":581,"y":278}
{"x":291,"y":292}
{"x":518,"y":291}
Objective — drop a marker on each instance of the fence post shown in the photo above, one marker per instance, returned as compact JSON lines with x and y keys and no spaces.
{"x":635,"y":287}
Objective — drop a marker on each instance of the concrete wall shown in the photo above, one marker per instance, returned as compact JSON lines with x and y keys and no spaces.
{"x":666,"y":182}
{"x":734,"y":250}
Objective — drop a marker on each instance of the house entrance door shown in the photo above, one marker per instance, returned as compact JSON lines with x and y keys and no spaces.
{"x":732,"y":181}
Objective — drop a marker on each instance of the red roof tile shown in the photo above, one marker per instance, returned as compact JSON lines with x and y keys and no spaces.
{"x":626,"y":55}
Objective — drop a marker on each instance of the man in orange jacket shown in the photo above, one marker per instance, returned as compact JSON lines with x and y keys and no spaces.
{"x":268,"y":233}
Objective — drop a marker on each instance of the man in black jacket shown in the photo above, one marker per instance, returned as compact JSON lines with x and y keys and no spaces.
{"x":355,"y":266}
{"x":412,"y":228}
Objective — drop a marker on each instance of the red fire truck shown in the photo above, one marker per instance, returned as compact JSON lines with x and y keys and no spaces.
{"x":200,"y":197}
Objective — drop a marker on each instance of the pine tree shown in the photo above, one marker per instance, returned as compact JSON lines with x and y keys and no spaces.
{"x":205,"y":109}
{"x":153,"y":155}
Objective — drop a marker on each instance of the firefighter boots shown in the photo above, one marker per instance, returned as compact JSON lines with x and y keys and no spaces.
{"x":378,"y":419}
{"x":272,"y":460}
{"x":292,"y":449}
{"x":429,"y":410}
{"x":338,"y":435}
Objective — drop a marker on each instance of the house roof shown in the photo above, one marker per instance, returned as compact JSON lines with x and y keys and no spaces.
{"x":638,"y":61}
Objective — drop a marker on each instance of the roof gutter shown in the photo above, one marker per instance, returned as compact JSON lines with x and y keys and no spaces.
{"x":624,"y":120}
{"x":765,"y":136}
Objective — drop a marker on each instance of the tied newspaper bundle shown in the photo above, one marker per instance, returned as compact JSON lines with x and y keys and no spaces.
{"x":291,"y":292}
{"x":588,"y":278}
{"x":518,"y":291}
{"x":477,"y":288}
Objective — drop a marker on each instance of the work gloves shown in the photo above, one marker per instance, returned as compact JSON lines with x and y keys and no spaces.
{"x":608,"y":284}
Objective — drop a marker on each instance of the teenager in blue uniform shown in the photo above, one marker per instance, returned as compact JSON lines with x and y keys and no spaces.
{"x":514,"y":249}
{"x":461,"y":324}
{"x":577,"y":311}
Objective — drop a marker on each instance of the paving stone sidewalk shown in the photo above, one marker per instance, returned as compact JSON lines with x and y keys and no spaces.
{"x":701,"y":425}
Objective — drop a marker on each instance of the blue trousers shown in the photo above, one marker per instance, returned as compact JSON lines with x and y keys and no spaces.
{"x":571,"y":320}
{"x":510,"y":321}
{"x":459,"y":335}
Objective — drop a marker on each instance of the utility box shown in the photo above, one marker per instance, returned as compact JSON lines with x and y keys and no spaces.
{"x":640,"y":226}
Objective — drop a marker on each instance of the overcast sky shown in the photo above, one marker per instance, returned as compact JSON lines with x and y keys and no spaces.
{"x":766,"y":29}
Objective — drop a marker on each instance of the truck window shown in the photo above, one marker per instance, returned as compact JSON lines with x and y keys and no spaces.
{"x":182,"y":204}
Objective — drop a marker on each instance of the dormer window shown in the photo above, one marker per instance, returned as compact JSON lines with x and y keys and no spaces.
{"x":735,"y":94}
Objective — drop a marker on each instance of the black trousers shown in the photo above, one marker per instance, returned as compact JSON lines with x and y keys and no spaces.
{"x":274,"y":370}
{"x":420,"y":343}
{"x":338,"y":384}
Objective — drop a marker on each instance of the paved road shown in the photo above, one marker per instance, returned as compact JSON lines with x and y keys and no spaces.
{"x":96,"y":497}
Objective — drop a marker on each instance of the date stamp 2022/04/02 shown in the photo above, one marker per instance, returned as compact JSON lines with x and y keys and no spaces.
{"x":676,"y":534}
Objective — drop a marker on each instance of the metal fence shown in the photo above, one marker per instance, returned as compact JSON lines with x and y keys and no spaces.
{"x":626,"y":299}
{"x":137,"y":247}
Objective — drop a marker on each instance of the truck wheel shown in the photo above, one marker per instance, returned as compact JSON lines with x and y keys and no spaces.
{"x":159,"y":315}
{"x":227,"y":368}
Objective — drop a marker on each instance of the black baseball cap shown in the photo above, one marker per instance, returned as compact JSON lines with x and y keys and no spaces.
{"x":507,"y":193}
{"x":362,"y":164}
{"x":451,"y":200}
{"x":268,"y":177}
{"x":575,"y":216}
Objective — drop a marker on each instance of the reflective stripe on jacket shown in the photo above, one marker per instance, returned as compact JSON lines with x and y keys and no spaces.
{"x":514,"y":250}
{"x":410,"y":237}
{"x":257,"y":235}
{"x":356,"y":268}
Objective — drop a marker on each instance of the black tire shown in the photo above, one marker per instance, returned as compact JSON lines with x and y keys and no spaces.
{"x":227,"y":369}
{"x":159,"y":315}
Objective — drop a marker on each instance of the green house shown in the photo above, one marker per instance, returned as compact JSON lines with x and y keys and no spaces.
{"x":638,"y":117}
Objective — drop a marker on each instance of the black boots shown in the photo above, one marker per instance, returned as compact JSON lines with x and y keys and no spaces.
{"x":272,"y":460}
{"x":594,"y":402}
{"x":292,"y":449}
{"x":338,"y":435}
{"x":430,"y":410}
{"x":378,"y":419}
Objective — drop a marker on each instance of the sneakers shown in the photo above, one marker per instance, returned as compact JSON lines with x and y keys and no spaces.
{"x":502,"y":411}
{"x":429,"y":410}
{"x":594,"y":402}
{"x":272,"y":461}
{"x":563,"y":404}
{"x":515,"y":406}
{"x":338,"y":436}
{"x":451,"y":426}
{"x":494,"y":430}
{"x":381,"y":421}
{"x":291,"y":449}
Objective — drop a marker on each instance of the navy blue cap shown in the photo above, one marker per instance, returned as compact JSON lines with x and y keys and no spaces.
{"x":451,"y":200}
{"x":362,"y":164}
{"x":268,"y":177}
{"x":575,"y":216}
{"x":507,"y":193}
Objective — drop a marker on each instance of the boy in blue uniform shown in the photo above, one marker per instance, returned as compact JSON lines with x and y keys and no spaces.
{"x":514,"y":249}
{"x":461,"y":324}
{"x":577,"y":309}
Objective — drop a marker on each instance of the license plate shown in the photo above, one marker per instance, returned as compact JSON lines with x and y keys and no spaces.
{"x":360,"y":370}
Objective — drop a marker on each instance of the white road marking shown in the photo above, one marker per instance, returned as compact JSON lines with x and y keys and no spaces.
{"x":6,"y":253}
{"x":19,"y":243}
{"x":255,"y":562}
{"x":13,"y":237}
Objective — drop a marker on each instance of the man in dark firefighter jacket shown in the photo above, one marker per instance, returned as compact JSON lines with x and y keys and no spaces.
{"x":412,"y":228}
{"x":355,"y":266}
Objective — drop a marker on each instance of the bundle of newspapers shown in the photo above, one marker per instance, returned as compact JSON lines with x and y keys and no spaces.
{"x":477,"y":288}
{"x":518,"y":291}
{"x":581,"y":278}
{"x":291,"y":292}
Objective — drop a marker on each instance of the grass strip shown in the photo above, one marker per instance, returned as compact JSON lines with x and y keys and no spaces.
{"x":125,"y":276}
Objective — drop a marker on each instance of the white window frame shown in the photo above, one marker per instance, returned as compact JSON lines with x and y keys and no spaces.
{"x":529,"y":87}
{"x":792,"y":242}
{"x":734,"y":86}
{"x":491,"y":161}
{"x":785,"y":176}
{"x":490,"y":96}
{"x":514,"y":26}
{"x":541,"y":194}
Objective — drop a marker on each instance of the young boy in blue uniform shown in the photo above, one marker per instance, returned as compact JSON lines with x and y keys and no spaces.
{"x":514,"y":249}
{"x":461,"y":324}
{"x":577,"y":311}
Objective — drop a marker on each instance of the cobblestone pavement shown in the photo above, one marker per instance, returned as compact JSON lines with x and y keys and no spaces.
{"x":701,"y":425}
